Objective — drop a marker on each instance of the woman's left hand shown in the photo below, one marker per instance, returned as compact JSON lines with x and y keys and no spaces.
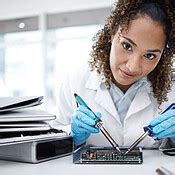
{"x":164,"y":125}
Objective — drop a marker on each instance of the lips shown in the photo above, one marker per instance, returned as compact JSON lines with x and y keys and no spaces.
{"x":127,"y":74}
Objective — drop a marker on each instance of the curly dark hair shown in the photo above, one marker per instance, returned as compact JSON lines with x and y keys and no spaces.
{"x":161,"y":11}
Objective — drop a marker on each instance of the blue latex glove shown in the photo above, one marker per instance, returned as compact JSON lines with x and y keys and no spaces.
{"x":83,"y":124}
{"x":164,"y":125}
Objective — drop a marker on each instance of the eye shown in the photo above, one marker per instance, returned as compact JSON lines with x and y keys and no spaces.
{"x":127,"y":46}
{"x":150,"y":56}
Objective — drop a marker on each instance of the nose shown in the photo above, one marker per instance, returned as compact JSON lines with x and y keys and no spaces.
{"x":134,"y":64}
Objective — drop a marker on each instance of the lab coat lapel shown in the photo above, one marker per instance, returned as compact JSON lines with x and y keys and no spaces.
{"x":102,"y":96}
{"x":140,"y":102}
{"x":104,"y":99}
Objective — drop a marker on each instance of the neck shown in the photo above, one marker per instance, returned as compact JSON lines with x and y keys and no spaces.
{"x":123,"y":88}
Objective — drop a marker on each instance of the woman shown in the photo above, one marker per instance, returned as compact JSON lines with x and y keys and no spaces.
{"x":130,"y":79}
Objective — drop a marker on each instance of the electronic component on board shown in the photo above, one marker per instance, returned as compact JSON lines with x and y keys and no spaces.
{"x":106,"y":155}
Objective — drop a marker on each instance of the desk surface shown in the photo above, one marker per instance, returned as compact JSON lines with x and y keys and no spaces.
{"x":152,"y":159}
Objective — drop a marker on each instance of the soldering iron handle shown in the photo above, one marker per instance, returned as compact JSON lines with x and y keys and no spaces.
{"x":149,"y":128}
{"x":80,"y":101}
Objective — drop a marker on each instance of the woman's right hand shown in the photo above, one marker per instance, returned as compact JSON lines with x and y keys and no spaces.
{"x":83,"y":124}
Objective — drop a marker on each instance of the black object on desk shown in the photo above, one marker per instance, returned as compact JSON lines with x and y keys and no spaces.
{"x":106,"y":155}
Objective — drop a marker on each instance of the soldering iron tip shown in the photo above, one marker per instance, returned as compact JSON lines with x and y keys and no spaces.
{"x":126,"y":152}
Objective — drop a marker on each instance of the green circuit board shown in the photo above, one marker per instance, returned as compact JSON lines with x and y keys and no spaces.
{"x":107,"y":155}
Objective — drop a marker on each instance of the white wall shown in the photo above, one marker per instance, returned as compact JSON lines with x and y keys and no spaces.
{"x":22,"y":8}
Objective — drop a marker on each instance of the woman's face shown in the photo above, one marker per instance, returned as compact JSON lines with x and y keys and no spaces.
{"x":135,"y":53}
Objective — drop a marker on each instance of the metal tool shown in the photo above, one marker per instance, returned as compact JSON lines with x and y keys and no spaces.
{"x":148,"y":131}
{"x":99,"y":124}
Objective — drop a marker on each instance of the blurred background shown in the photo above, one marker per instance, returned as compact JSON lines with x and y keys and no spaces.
{"x":41,"y":40}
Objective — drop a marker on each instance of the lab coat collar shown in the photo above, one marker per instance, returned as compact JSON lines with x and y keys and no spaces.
{"x":93,"y":81}
{"x":102,"y":97}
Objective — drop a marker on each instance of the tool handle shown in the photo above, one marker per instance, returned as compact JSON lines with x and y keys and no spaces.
{"x":80,"y":101}
{"x":172,"y":106}
{"x":149,"y":129}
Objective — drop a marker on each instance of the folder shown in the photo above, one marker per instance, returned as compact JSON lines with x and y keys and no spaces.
{"x":15,"y":103}
{"x":26,"y":115}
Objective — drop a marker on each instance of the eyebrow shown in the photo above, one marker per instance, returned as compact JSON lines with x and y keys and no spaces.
{"x":155,"y":50}
{"x":130,"y":40}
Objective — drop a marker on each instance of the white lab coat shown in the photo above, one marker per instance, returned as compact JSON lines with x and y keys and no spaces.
{"x":141,"y":111}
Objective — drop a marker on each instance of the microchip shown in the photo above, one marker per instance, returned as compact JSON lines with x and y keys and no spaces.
{"x":106,"y":155}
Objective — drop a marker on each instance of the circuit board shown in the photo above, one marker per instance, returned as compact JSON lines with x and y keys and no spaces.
{"x":107,"y":155}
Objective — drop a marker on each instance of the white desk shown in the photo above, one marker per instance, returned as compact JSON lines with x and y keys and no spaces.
{"x":152,"y":159}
